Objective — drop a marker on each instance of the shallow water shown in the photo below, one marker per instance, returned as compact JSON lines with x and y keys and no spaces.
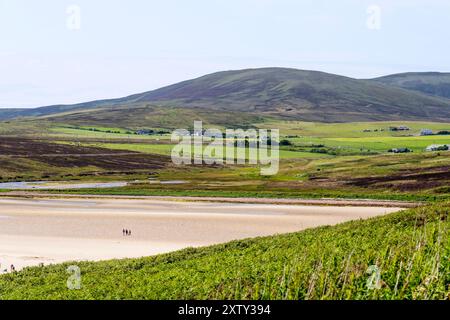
{"x":46,"y":185}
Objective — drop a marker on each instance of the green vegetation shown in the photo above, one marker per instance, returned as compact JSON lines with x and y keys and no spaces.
{"x":161,"y":191}
{"x":301,"y":139}
{"x":383,"y":144}
{"x":410,"y":249}
{"x":166,"y":149}
{"x":354,"y":129}
{"x":358,"y":138}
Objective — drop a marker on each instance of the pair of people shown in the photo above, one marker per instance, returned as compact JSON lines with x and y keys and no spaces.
{"x":12,"y":268}
{"x":126,"y":232}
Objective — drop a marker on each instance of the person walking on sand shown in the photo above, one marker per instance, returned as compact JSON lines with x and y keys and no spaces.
{"x":13,"y":269}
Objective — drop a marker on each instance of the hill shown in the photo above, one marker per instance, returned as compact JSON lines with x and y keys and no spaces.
{"x":275,"y":92}
{"x":11,"y":113}
{"x":431,"y":83}
{"x":298,"y":94}
{"x":408,"y":251}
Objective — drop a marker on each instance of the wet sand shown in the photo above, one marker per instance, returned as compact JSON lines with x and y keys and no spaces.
{"x":59,"y":230}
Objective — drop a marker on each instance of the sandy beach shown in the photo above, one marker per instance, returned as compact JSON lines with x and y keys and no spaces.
{"x":59,"y":230}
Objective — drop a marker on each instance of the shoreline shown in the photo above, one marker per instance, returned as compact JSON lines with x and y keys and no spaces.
{"x":241,"y":200}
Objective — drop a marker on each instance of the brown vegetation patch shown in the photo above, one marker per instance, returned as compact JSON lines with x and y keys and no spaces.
{"x":407,"y":180}
{"x":60,"y":155}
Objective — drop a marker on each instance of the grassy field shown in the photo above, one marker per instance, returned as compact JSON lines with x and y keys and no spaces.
{"x":400,"y":256}
{"x":166,"y":149}
{"x":352,"y":130}
{"x":102,"y":133}
{"x":323,"y":160}
{"x":340,"y":139}
{"x":383,"y":144}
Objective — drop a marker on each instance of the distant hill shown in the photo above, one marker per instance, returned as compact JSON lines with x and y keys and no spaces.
{"x":274,"y":92}
{"x":11,"y":113}
{"x":432,"y":83}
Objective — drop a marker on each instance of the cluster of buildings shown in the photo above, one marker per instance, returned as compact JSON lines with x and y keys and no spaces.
{"x":438,"y":147}
{"x":149,"y":132}
{"x":423,"y":132}
{"x":400,"y":150}
{"x":399,"y":128}
{"x":144,"y":132}
{"x":432,"y":148}
{"x":375,"y":130}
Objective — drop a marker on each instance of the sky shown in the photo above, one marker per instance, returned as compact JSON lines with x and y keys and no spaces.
{"x":63,"y":52}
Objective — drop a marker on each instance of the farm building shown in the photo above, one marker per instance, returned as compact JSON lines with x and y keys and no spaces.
{"x":144,"y":132}
{"x":400,"y":150}
{"x":399,"y":128}
{"x":426,"y":132}
{"x":437,"y":147}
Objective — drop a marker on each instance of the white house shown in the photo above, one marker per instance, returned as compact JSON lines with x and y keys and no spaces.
{"x":426,"y":132}
{"x":437,"y":147}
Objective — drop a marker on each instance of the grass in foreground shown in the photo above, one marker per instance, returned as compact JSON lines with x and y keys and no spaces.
{"x":410,"y":249}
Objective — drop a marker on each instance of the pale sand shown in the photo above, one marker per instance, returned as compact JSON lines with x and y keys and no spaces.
{"x":54,"y":231}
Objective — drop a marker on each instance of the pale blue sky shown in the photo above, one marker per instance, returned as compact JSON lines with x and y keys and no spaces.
{"x":125,"y":47}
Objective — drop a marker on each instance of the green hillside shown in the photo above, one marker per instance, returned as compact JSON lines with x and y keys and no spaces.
{"x":409,"y":249}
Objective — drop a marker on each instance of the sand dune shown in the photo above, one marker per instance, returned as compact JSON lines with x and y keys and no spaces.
{"x":54,"y":231}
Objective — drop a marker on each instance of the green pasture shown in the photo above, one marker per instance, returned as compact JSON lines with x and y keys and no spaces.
{"x":62,"y":132}
{"x":351,"y":130}
{"x":166,"y":149}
